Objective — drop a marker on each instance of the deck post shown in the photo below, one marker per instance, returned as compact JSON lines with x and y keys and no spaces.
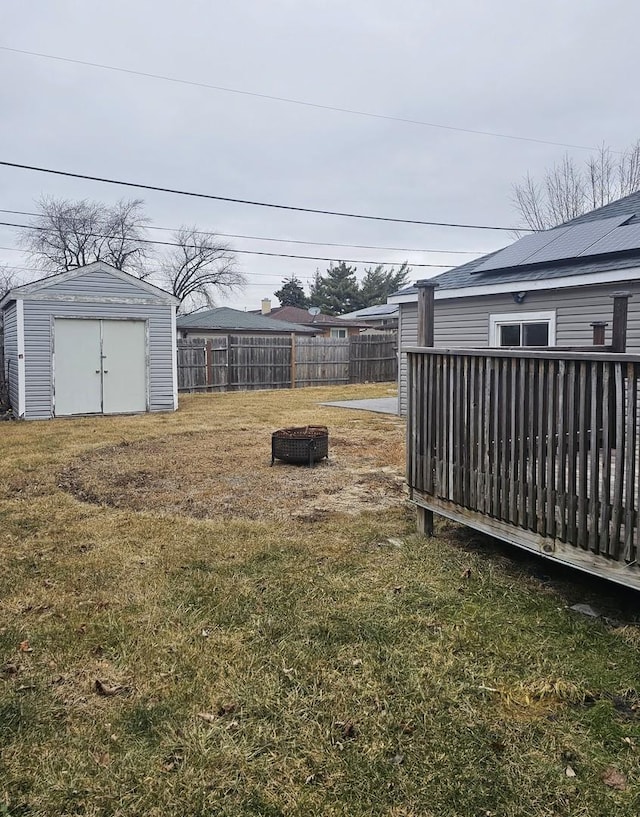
{"x":425,"y":312}
{"x":619,"y":328}
{"x":598,"y":332}
{"x":426,"y":287}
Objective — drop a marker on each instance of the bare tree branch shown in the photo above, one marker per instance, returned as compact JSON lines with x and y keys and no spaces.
{"x":69,"y":234}
{"x":568,"y":190}
{"x":199,"y":268}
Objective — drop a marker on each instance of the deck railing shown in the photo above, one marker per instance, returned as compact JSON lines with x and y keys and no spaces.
{"x":537,"y":447}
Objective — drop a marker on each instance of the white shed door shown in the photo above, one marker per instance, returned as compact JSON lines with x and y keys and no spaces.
{"x":100,"y":366}
{"x":124,"y":361}
{"x":77,"y":375}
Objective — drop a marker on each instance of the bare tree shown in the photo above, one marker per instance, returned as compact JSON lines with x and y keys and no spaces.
{"x":69,"y":234}
{"x":8,"y":280}
{"x":569,"y":189}
{"x":199,"y":268}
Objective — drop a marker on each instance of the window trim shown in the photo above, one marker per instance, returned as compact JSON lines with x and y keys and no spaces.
{"x":337,"y":330}
{"x":497,"y":320}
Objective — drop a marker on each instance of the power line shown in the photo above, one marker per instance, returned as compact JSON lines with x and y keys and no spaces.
{"x":212,"y":197}
{"x":240,"y":252}
{"x":286,"y":240}
{"x":291,"y":101}
{"x":248,"y":275}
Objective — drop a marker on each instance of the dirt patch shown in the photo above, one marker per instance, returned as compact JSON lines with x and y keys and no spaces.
{"x":194,"y":474}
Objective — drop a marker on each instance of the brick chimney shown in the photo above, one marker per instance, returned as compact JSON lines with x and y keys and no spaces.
{"x":266,"y":306}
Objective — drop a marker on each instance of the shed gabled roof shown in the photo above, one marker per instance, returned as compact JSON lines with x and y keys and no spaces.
{"x":226,"y":319}
{"x":32,"y":289}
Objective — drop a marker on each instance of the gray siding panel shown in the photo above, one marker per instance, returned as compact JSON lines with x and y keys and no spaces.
{"x":39,"y":317}
{"x":464,"y":322}
{"x":11,"y":352}
{"x":97,"y":284}
{"x":408,"y":336}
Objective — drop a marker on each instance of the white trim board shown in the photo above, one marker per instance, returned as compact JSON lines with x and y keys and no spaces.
{"x":174,"y":361}
{"x":22,"y":383}
{"x":588,"y":279}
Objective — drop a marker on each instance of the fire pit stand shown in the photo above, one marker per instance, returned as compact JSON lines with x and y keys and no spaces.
{"x":306,"y":444}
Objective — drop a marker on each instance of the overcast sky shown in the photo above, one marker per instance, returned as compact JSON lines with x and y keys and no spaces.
{"x":556,"y":71}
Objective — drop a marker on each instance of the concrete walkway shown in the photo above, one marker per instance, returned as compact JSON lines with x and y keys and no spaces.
{"x":382,"y":405}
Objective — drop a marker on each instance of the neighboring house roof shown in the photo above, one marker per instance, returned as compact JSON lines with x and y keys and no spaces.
{"x":372,"y":312}
{"x":295,"y":314}
{"x":33,"y":289}
{"x":580,"y":269}
{"x":230,"y":320}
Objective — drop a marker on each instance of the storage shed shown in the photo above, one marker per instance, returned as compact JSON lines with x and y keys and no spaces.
{"x":94,"y":340}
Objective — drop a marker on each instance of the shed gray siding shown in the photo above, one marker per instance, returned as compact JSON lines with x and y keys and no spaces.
{"x":11,"y":353}
{"x":464,"y":322}
{"x":96,"y":284}
{"x":39,"y":319}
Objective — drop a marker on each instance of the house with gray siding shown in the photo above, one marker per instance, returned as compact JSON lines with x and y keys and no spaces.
{"x":92,"y":340}
{"x":544,"y":290}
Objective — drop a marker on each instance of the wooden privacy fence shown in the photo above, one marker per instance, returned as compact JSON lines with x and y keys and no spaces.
{"x":537,"y":447}
{"x":234,"y":362}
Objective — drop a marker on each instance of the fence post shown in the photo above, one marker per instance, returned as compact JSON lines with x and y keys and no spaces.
{"x":619,"y":328}
{"x":209,"y":363}
{"x":293,"y":360}
{"x":227,"y":368}
{"x":426,"y":289}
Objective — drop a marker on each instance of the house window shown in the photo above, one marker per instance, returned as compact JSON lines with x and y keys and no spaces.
{"x":338,"y":333}
{"x":523,"y":329}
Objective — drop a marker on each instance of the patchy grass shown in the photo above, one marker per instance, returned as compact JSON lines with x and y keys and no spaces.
{"x":276,"y":641}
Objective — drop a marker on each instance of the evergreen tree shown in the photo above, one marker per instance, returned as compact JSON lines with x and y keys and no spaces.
{"x":336,"y":292}
{"x":379,"y":283}
{"x":292,"y":293}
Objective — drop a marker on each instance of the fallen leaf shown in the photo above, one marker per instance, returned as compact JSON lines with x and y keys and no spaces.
{"x":208,"y":717}
{"x":172,"y":763}
{"x":397,"y":760}
{"x":466,"y":574}
{"x":347,"y":728}
{"x":569,"y":772}
{"x":25,"y":647}
{"x":613,"y":778}
{"x":585,"y":609}
{"x":109,"y":691}
{"x":226,"y":709}
{"x":102,"y":759}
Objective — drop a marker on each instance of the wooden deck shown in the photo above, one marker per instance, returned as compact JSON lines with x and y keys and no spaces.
{"x":540,"y":448}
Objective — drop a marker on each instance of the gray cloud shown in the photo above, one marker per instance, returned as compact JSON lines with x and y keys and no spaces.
{"x":561,"y":72}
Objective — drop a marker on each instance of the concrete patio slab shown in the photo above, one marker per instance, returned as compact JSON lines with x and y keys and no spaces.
{"x":382,"y":405}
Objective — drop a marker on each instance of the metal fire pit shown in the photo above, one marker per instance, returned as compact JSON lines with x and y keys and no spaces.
{"x":307,"y":444}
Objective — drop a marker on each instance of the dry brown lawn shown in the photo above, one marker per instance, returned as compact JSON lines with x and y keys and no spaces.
{"x":185,"y":630}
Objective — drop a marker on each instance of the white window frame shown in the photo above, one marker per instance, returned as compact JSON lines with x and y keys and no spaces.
{"x":335,"y":331}
{"x":509,"y":318}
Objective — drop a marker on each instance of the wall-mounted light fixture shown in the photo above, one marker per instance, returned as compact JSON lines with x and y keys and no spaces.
{"x":519,"y":297}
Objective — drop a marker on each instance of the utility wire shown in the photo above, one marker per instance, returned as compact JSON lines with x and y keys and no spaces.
{"x":210,"y":196}
{"x":240,"y":252}
{"x":248,"y":275}
{"x":290,"y":101}
{"x":285,"y":240}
